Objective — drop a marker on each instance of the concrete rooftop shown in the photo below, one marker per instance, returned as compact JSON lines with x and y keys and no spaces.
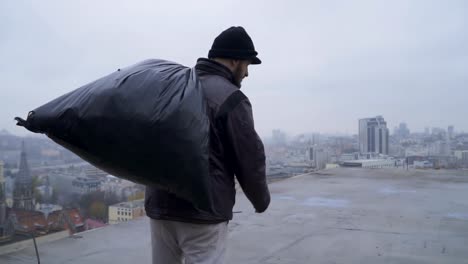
{"x":342,"y":215}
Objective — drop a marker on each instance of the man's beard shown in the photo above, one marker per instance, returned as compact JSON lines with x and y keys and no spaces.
{"x":238,"y":76}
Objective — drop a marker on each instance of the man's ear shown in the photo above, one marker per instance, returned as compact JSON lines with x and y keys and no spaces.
{"x":235,"y":63}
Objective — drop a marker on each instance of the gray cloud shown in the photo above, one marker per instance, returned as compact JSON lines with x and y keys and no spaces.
{"x":326,"y":63}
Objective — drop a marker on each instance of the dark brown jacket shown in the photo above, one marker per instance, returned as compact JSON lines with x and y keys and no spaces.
{"x":235,"y":149}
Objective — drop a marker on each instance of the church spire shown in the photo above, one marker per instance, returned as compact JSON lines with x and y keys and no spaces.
{"x":23,"y":192}
{"x":24,"y":174}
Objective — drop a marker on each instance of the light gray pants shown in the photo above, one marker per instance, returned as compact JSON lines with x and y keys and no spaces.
{"x":177,"y":242}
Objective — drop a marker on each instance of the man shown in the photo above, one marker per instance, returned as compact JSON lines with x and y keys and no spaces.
{"x":179,"y":231}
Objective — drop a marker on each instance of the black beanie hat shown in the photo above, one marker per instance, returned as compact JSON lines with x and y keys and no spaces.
{"x":234,"y":43}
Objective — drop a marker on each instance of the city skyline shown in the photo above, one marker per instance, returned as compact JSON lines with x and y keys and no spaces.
{"x":268,"y":134}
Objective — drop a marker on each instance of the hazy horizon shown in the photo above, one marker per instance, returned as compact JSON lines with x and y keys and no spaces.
{"x":326,"y":64}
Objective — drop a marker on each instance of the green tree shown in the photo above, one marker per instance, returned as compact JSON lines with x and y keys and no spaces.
{"x":137,"y":196}
{"x":36,"y":182}
{"x":111,"y":198}
{"x":87,"y":199}
{"x":98,"y":210}
{"x":38,"y":196}
{"x":54,"y":196}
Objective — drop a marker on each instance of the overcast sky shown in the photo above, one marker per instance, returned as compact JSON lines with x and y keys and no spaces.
{"x":325,"y":63}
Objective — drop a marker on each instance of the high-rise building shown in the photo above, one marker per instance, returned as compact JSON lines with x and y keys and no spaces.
{"x":316,"y":139}
{"x":438,"y":131}
{"x":373,"y":135}
{"x":318,"y":157}
{"x":23,"y":190}
{"x":2,"y":196}
{"x":451,"y":132}
{"x":279,"y":138}
{"x":427,"y":131}
{"x":402,"y":131}
{"x":321,"y":159}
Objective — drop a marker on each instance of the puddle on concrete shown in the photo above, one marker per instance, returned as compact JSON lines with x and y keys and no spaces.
{"x":285,"y":197}
{"x":299,"y":218}
{"x":460,"y":216}
{"x":393,"y":190}
{"x":326,"y":202}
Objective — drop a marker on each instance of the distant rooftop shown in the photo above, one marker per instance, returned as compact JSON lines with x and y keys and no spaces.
{"x":370,"y":160}
{"x":86,"y":180}
{"x":343,"y":215}
{"x":132,"y":204}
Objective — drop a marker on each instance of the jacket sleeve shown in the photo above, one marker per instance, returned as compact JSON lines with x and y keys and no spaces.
{"x":249,"y":155}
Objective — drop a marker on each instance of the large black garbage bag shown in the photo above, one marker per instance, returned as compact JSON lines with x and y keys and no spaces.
{"x":146,"y":123}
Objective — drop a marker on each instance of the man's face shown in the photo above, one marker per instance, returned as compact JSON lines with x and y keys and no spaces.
{"x":241,"y":71}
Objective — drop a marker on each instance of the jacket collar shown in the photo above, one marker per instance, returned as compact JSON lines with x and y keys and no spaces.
{"x":211,"y":67}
